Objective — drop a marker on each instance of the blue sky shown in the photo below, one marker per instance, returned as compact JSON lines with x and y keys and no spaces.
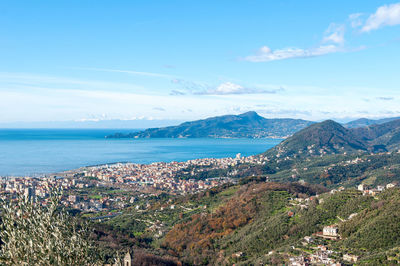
{"x":185,"y":60}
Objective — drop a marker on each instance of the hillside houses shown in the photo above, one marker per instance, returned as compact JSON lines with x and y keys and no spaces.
{"x":374,"y":191}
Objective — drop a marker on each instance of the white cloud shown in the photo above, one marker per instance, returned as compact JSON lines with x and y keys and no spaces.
{"x":334,"y":34}
{"x":229,"y":88}
{"x":265,"y":54}
{"x":332,"y":42}
{"x":334,"y":37}
{"x":355,"y":20}
{"x":387,"y":15}
{"x":225,"y":88}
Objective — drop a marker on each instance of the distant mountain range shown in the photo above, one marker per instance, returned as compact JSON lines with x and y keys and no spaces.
{"x":363,"y":122}
{"x":330,"y":137}
{"x":249,"y":125}
{"x":246,"y":125}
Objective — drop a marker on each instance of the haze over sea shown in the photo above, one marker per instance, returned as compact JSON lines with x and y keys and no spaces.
{"x":42,"y":151}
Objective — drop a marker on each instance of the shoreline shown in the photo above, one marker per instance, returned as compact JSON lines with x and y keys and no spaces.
{"x":48,"y":156}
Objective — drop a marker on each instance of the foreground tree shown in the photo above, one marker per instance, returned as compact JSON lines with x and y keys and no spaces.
{"x":42,"y":235}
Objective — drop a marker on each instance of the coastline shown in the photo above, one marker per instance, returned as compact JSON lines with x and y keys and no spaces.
{"x":46,"y":154}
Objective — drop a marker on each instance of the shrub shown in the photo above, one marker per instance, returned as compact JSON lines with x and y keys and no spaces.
{"x":42,"y":235}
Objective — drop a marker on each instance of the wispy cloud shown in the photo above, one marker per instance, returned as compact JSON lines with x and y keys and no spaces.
{"x":190,"y":86}
{"x":355,"y":20}
{"x":334,"y":34}
{"x":131,"y":72}
{"x":159,"y":109}
{"x":266,"y":54}
{"x":30,"y":81}
{"x":385,"y":98}
{"x":176,"y":92}
{"x":332,"y":42}
{"x":229,"y":88}
{"x":387,"y":15}
{"x":225,"y":88}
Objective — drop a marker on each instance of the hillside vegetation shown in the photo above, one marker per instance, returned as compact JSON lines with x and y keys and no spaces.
{"x":262,"y":221}
{"x":329,"y":137}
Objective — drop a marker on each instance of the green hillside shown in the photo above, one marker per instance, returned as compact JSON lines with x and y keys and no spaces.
{"x":263,"y":224}
{"x":329,"y":137}
{"x":260,"y":222}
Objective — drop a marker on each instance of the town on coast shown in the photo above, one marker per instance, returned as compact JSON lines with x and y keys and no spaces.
{"x":128,"y":181}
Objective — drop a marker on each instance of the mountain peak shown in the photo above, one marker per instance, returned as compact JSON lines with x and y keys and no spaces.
{"x":329,"y":122}
{"x":246,"y":125}
{"x":250,"y":114}
{"x":328,"y":125}
{"x":326,"y":137}
{"x":252,"y":117}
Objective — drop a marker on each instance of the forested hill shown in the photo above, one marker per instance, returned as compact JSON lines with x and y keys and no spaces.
{"x":246,"y":125}
{"x":330,"y":137}
{"x":266,"y":223}
{"x":325,"y":137}
{"x":382,"y":136}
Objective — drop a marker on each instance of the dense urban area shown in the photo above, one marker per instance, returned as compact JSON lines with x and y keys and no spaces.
{"x":128,"y":178}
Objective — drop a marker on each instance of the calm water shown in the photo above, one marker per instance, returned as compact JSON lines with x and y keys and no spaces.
{"x":37,"y":151}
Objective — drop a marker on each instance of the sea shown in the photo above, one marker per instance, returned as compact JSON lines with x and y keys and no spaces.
{"x":32,"y":152}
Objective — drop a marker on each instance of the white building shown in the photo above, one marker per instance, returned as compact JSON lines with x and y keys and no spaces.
{"x":331,"y":230}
